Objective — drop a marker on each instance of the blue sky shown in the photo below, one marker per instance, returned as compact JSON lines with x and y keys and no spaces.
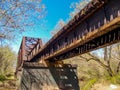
{"x":56,"y":10}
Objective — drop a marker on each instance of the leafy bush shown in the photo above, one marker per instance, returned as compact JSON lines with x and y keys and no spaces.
{"x":2,"y":78}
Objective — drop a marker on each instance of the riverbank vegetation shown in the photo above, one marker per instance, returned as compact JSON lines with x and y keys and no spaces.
{"x":100,"y":66}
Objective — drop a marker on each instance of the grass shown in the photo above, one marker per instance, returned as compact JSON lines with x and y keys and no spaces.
{"x":89,"y":84}
{"x":115,"y":79}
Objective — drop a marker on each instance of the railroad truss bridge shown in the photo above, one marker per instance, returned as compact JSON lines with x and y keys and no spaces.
{"x":97,"y":25}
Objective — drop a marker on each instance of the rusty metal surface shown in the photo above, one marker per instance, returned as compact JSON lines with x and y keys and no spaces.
{"x":29,"y":47}
{"x":96,"y":43}
{"x":97,"y":19}
{"x":79,"y":18}
{"x":85,"y":12}
{"x":100,"y":20}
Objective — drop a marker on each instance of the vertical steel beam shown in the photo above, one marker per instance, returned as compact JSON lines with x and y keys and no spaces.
{"x":23,"y":49}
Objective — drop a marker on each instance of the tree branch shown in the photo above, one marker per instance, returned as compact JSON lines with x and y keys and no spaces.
{"x":95,"y":59}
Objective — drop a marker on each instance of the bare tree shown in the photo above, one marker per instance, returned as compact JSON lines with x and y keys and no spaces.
{"x":111,"y":54}
{"x":116,"y":56}
{"x":17,"y":15}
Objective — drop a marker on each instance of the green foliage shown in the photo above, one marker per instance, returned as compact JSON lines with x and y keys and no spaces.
{"x":7,"y":60}
{"x":2,"y":78}
{"x":115,"y":79}
{"x":89,"y":84}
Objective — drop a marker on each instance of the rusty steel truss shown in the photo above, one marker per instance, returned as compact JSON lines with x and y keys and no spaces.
{"x":29,"y":47}
{"x":95,"y":26}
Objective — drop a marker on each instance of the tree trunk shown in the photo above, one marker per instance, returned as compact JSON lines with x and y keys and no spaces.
{"x":118,"y":67}
{"x":107,"y":58}
{"x":110,"y":72}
